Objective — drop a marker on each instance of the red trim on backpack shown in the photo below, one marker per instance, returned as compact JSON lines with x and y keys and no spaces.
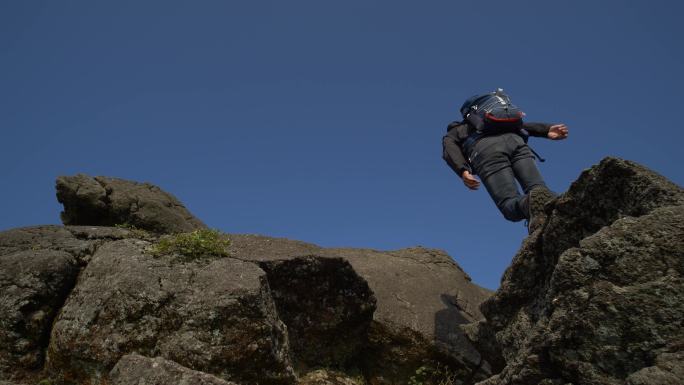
{"x":510,"y":120}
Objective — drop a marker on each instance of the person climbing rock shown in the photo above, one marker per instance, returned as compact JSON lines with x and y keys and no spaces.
{"x":491,"y":142}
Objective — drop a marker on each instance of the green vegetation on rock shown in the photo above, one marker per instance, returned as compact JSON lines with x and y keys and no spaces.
{"x":193,"y":245}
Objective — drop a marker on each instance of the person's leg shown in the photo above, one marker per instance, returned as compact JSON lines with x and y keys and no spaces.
{"x":524,"y":166}
{"x":502,"y":188}
{"x":527,"y":173}
{"x":537,"y":194}
{"x":491,"y":160}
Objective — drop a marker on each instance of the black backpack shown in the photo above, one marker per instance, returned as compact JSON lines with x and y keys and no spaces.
{"x":492,"y":113}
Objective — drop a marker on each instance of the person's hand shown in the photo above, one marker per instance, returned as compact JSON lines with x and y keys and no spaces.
{"x":470,"y":181}
{"x":558,"y":132}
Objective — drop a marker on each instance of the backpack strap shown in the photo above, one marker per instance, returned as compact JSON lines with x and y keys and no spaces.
{"x":470,"y":141}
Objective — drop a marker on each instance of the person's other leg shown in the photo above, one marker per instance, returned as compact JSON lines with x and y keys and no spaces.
{"x":537,"y":194}
{"x":527,"y":173}
{"x":503,"y":189}
{"x":524,"y":165}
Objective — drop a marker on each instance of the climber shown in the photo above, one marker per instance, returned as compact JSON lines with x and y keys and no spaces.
{"x":491,"y":142}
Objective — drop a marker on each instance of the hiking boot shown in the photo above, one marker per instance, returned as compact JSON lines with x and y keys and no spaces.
{"x":538,"y":198}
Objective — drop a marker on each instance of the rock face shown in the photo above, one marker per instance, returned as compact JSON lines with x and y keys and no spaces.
{"x":326,"y":306}
{"x":216,"y":316}
{"x":103,"y":201}
{"x":34,"y":285}
{"x":422,"y":298}
{"x":38,"y":269}
{"x":597,"y":295}
{"x":134,"y":369}
{"x":275,"y":312}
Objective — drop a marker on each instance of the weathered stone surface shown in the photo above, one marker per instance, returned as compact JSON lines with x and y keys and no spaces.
{"x":45,"y":237}
{"x":38,"y":267}
{"x":107,"y":201}
{"x":330,"y":377}
{"x":33,"y":286}
{"x":134,"y":369}
{"x":422,"y":298}
{"x":213,"y":315}
{"x":326,"y":307}
{"x":597,"y":295}
{"x":102,"y":232}
{"x":668,"y":370}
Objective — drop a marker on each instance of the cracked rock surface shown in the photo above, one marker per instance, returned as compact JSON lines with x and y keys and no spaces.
{"x":38,"y":268}
{"x":134,"y":369}
{"x":326,"y":307}
{"x":422,"y":297}
{"x":104,"y":201}
{"x":597,"y":295}
{"x":33,"y":286}
{"x":215,"y":316}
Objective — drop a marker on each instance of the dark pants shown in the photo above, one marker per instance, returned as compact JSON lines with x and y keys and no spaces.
{"x":499,"y":161}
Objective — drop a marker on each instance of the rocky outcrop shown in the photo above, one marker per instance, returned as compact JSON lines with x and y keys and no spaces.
{"x":103,"y":201}
{"x":38,"y":269}
{"x":597,"y":295}
{"x":422,"y":298}
{"x":216,"y":316}
{"x":134,"y":369}
{"x":274,"y":311}
{"x":34,"y":285}
{"x":326,"y":307}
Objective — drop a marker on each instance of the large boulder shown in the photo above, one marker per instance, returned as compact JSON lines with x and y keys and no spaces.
{"x":326,"y":307}
{"x":422,"y":297}
{"x":33,"y":287}
{"x":104,"y":201}
{"x":134,"y":369}
{"x":211,"y":315}
{"x":38,"y":269}
{"x":596,"y":296}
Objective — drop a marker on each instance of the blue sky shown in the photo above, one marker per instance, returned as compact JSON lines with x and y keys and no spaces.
{"x":322,"y":120}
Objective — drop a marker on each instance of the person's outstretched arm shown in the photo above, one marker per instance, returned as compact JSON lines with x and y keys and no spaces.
{"x":545,"y":130}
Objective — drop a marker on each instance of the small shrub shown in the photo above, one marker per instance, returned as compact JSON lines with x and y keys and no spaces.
{"x":45,"y":381}
{"x":199,"y":243}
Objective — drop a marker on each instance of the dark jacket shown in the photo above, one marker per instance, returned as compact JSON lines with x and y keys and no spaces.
{"x":458,"y":132}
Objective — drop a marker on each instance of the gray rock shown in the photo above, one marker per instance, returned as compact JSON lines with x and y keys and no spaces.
{"x":211,"y":315}
{"x":103,"y":232}
{"x":668,"y":370}
{"x":103,"y":201}
{"x":597,"y":294}
{"x":38,"y":268}
{"x":326,"y":307}
{"x":422,"y":298}
{"x":330,"y":377}
{"x":33,"y":286}
{"x":48,"y":237}
{"x":134,"y":369}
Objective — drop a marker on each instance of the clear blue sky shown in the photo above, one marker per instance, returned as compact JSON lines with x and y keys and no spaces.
{"x":322,"y":120}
